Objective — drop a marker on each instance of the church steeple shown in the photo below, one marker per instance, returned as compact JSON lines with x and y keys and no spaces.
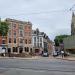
{"x":73,"y":24}
{"x":73,"y":14}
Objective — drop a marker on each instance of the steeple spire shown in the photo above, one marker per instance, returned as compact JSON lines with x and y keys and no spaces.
{"x":73,"y":14}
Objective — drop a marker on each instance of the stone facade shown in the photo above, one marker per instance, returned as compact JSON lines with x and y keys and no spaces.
{"x":41,"y":42}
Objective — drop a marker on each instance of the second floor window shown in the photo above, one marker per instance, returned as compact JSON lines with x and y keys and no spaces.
{"x":29,"y":41}
{"x":40,"y":39}
{"x":14,"y":40}
{"x":14,"y":26}
{"x":21,"y":40}
{"x":25,"y":41}
{"x":21,"y":33}
{"x":3,"y":41}
{"x":9,"y":33}
{"x":9,"y":40}
{"x":21,"y":27}
{"x":34,"y":39}
{"x":14,"y":33}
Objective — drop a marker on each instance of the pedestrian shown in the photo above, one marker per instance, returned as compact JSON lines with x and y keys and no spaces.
{"x":62,"y":54}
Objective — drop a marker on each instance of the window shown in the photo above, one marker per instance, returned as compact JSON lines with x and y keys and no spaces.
{"x":25,"y":33}
{"x":21,"y":40}
{"x":40,"y":44}
{"x":29,"y":41}
{"x":9,"y":26}
{"x":40,"y":39}
{"x":37,"y":44}
{"x":20,"y":50}
{"x":9,"y":33}
{"x":25,"y":41}
{"x":34,"y":44}
{"x":26,"y":49}
{"x":21,"y":27}
{"x":37,"y":39}
{"x":14,"y":33}
{"x":9,"y":40}
{"x":15,"y":49}
{"x":25,"y":27}
{"x":21,"y":33}
{"x":29,"y":27}
{"x":3,"y":41}
{"x":29,"y":33}
{"x":14,"y":40}
{"x":14,"y":26}
{"x":34,"y":39}
{"x":9,"y":50}
{"x":31,"y":50}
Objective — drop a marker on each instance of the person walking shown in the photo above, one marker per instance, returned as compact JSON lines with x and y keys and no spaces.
{"x":62,"y":54}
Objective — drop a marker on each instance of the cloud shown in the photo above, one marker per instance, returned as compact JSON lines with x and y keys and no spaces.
{"x":44,"y":14}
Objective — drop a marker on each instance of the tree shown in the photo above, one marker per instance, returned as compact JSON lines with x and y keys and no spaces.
{"x":59,"y":39}
{"x":3,"y":32}
{"x":3,"y":28}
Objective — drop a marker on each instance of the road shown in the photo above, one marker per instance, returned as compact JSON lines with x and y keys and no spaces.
{"x":42,"y":66}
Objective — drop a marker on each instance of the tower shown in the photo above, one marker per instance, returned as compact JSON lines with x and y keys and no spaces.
{"x":73,"y":24}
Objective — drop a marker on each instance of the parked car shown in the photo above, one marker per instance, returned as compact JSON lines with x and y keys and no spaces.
{"x":45,"y":54}
{"x":55,"y":53}
{"x":66,"y":54}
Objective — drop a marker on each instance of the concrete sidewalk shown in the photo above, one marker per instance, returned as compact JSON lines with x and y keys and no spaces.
{"x":69,"y":58}
{"x":34,"y":57}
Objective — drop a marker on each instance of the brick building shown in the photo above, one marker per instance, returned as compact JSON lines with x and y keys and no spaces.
{"x":21,"y":39}
{"x":19,"y":36}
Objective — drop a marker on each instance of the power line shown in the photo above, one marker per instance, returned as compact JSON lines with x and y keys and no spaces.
{"x":44,"y":12}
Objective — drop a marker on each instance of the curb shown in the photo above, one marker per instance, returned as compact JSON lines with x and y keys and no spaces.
{"x":32,"y":58}
{"x":18,"y":58}
{"x":66,"y":59}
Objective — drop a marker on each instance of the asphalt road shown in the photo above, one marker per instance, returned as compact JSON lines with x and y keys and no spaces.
{"x":42,"y":66}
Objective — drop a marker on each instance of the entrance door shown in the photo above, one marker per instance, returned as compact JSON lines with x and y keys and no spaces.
{"x":36,"y":50}
{"x":20,"y":50}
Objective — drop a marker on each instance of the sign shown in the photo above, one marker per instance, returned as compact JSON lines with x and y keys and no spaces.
{"x":2,"y":50}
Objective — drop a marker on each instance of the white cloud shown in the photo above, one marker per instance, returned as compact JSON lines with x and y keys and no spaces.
{"x":53,"y":23}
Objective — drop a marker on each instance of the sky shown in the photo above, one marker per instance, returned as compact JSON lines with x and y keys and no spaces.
{"x":50,"y":16}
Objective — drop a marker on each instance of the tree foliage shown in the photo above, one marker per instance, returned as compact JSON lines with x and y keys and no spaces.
{"x":59,"y":39}
{"x":4,"y":28}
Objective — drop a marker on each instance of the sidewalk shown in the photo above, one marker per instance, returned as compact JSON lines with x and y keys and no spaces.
{"x":35,"y":57}
{"x":69,"y":58}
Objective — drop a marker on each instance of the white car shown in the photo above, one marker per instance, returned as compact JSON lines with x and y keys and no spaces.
{"x":45,"y":54}
{"x":54,"y":53}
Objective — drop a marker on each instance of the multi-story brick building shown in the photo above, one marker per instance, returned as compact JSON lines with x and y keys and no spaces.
{"x":19,"y":38}
{"x":22,"y":39}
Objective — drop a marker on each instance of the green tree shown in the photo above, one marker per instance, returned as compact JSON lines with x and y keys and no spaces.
{"x":3,"y":28}
{"x":59,"y":39}
{"x":3,"y":32}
